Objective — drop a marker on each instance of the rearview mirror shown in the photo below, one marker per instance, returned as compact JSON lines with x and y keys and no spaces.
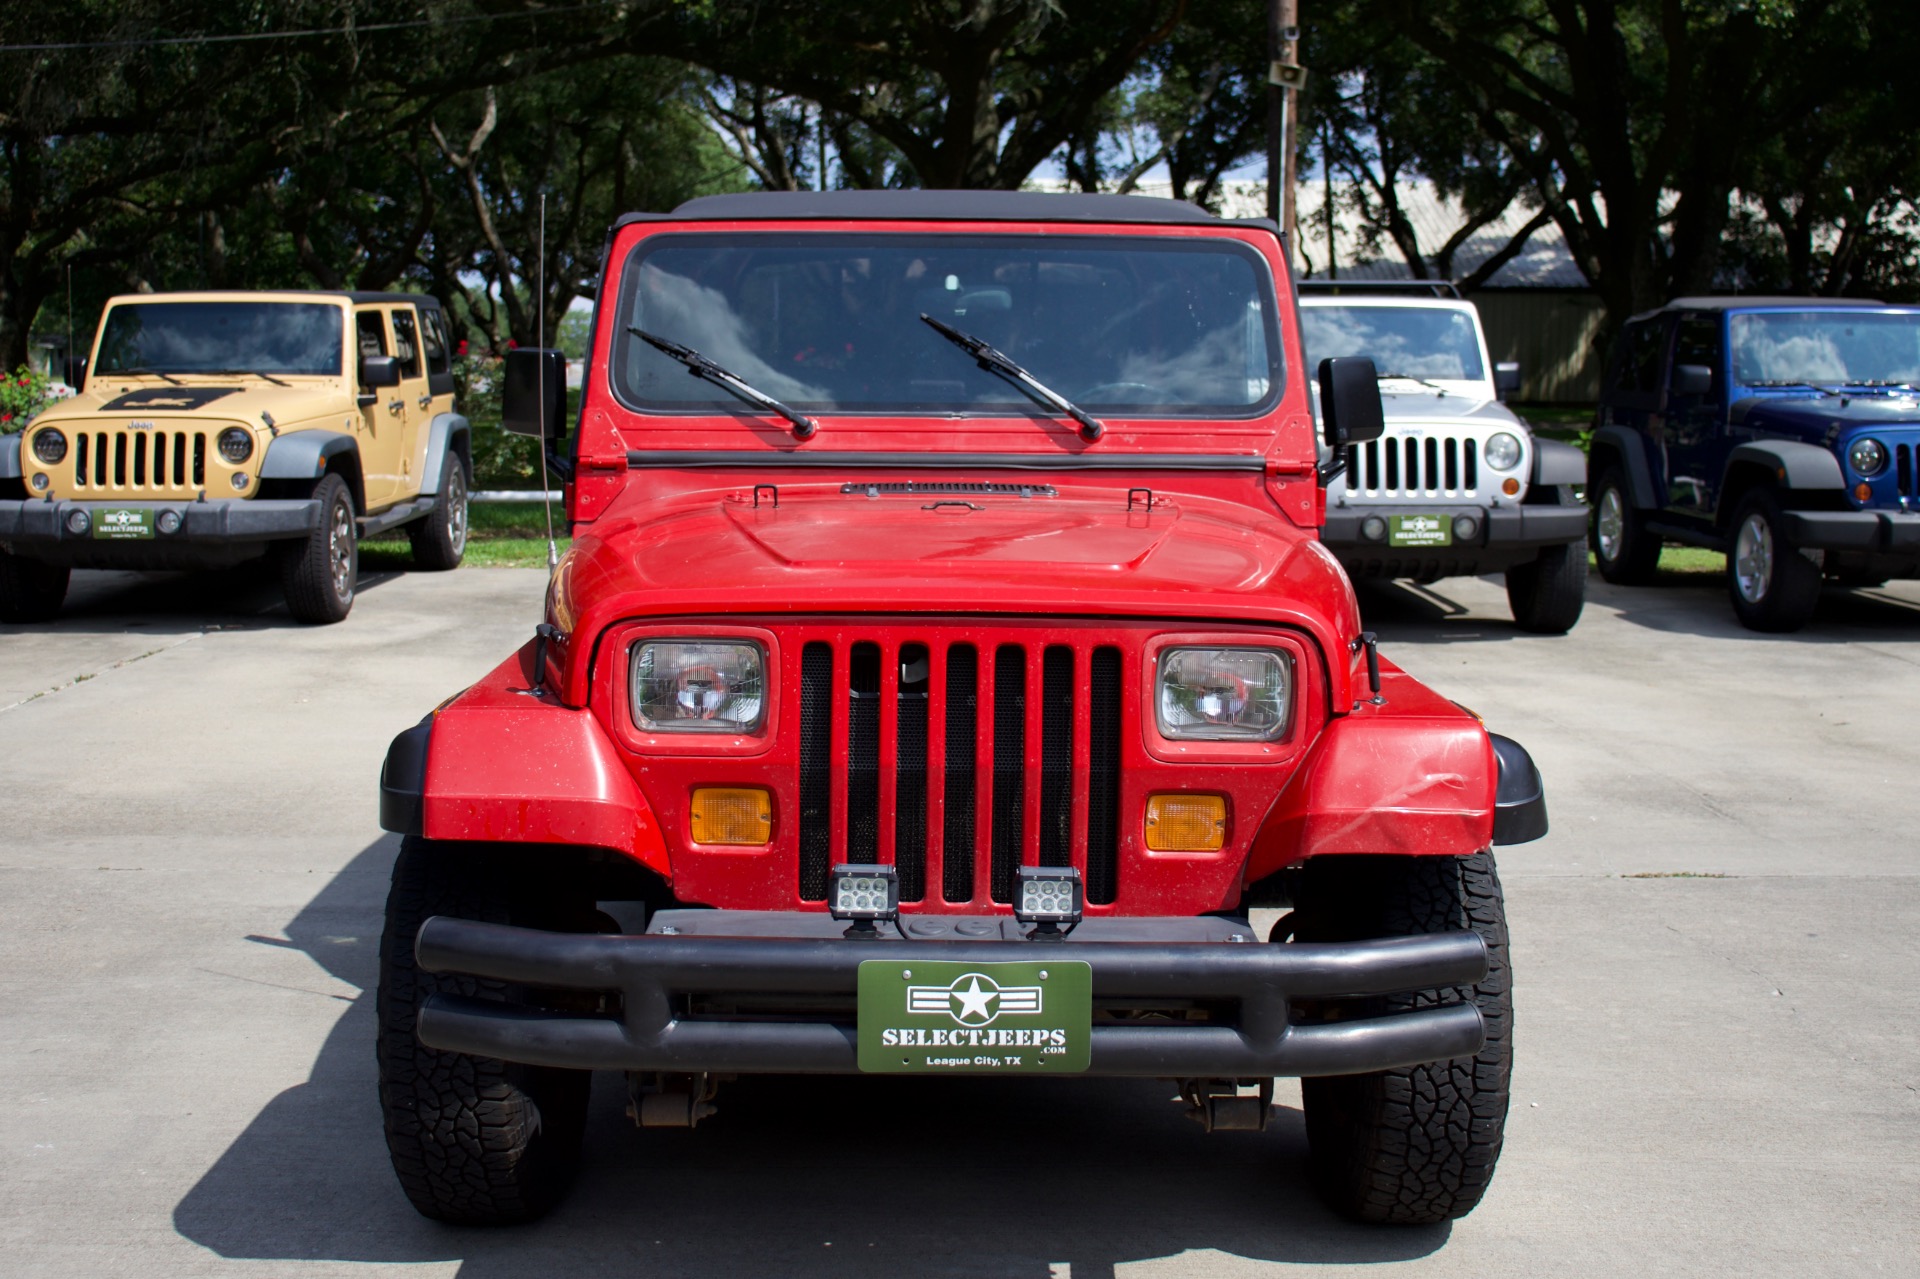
{"x":533,"y":395}
{"x":379,"y":370}
{"x":1506,"y":378}
{"x":77,"y":373}
{"x":1692,"y":379}
{"x":1350,"y":400}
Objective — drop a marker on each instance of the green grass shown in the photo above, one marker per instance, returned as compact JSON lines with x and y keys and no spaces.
{"x":499,"y":535}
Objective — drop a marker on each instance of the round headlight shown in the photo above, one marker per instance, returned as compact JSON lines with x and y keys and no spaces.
{"x":49,"y":445}
{"x":236,"y":444}
{"x":1502,"y":451}
{"x":1867,"y":457}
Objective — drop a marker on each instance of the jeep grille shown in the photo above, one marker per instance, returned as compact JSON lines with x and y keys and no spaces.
{"x":163,"y":463}
{"x":981,"y":703}
{"x":1436,"y":466}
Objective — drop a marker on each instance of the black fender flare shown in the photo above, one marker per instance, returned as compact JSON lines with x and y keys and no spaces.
{"x":307,"y":455}
{"x":10,"y":456}
{"x":446,"y":432}
{"x":1633,"y":456}
{"x":1520,"y":797}
{"x":403,"y":781}
{"x":1786,"y":464}
{"x":1556,"y":462}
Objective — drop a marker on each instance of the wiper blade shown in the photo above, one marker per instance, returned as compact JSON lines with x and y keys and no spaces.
{"x":146,"y":373}
{"x":994,"y":361}
{"x":1408,"y":377}
{"x":248,"y":373}
{"x":1790,"y":382}
{"x":701,"y":367}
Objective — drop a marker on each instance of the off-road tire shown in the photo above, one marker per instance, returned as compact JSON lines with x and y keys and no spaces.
{"x":31,"y":591}
{"x":1630,"y":556}
{"x":474,"y":1141}
{"x":1548,"y":592}
{"x":440,"y":540}
{"x":1417,"y":1145}
{"x":1773,"y":586}
{"x":319,"y":572}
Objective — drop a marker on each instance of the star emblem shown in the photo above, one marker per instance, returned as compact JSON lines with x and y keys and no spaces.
{"x":972,"y":1003}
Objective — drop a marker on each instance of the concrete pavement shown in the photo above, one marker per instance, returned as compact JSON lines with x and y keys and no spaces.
{"x":1718,"y":1046}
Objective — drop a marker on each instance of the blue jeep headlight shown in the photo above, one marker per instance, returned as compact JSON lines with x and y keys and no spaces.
{"x":1868,"y":456}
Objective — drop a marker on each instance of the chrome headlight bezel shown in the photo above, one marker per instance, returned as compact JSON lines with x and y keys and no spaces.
{"x":658,"y":667}
{"x":1495,"y":449}
{"x":1867,"y":456}
{"x":1185,"y":710}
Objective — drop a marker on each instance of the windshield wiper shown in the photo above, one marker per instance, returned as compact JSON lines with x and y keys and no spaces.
{"x":1811,"y":386}
{"x":1408,"y":377}
{"x":701,"y":367}
{"x":248,"y":373}
{"x":148,"y":373}
{"x":995,"y":362}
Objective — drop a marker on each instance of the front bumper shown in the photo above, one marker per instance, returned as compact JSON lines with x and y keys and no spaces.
{"x":1890,"y":533}
{"x":35,"y":523}
{"x":1507,"y":535}
{"x":676,"y":983}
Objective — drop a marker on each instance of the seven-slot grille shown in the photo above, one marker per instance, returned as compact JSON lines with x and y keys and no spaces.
{"x":1436,"y":466}
{"x":158,"y":461}
{"x":961,"y":759}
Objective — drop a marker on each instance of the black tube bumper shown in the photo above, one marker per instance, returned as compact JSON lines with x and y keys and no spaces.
{"x":1891,"y":533}
{"x":1505,"y":536}
{"x":30,"y":525}
{"x":657,"y":974}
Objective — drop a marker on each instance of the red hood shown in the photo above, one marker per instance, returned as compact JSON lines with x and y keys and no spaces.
{"x":821,"y":550}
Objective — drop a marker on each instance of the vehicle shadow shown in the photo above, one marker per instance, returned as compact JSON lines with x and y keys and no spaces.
{"x":1406,"y":612}
{"x":244,"y":597}
{"x":794,"y":1176}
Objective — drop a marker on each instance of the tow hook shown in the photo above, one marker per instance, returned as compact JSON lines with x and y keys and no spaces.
{"x":1228,"y":1105}
{"x":657,"y":1100}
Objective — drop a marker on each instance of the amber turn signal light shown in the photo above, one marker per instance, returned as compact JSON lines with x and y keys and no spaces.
{"x":1186,"y":823}
{"x":731,"y":815}
{"x":1510,"y":486}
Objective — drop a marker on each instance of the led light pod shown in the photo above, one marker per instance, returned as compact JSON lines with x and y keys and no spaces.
{"x":1047,"y":895}
{"x":699,"y":686}
{"x":1224,"y":694}
{"x":858,"y":892}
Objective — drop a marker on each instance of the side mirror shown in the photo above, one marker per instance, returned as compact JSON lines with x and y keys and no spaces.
{"x":533,"y":396}
{"x":1350,"y":401}
{"x":379,"y":370}
{"x":77,"y":373}
{"x":1691,"y":379}
{"x":1506,"y":378}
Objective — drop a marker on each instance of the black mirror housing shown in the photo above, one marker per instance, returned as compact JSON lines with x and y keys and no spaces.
{"x":1692,"y":379}
{"x":1350,"y":401}
{"x":77,"y":373}
{"x":533,"y":396}
{"x":379,"y":370}
{"x":1506,"y":378}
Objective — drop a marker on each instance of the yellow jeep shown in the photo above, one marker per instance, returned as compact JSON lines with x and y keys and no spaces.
{"x":210,"y":428}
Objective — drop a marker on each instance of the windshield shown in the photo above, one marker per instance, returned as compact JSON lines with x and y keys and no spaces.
{"x":1843,"y":347}
{"x":1425,"y":342}
{"x":213,"y":337}
{"x":832,"y":322}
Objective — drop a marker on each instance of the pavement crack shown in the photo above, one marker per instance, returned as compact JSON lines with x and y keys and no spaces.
{"x":104,"y":670}
{"x":304,"y":990}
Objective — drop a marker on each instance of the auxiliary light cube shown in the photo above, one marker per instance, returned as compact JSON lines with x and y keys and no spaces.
{"x":863,"y":892}
{"x":1047,"y":895}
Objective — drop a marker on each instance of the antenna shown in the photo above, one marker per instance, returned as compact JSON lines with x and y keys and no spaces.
{"x":540,"y":340}
{"x":66,"y":374}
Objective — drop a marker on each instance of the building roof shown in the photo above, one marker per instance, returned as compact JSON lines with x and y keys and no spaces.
{"x":924,"y":206}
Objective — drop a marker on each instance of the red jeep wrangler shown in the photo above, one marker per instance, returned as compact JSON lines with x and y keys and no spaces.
{"x":945,"y":663}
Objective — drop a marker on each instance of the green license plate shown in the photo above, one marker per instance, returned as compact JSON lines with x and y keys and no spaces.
{"x":1419,"y":530}
{"x":948,"y":1018}
{"x":123,"y":523}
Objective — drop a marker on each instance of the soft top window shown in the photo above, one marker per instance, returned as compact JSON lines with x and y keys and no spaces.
{"x":831,"y":322}
{"x":1423,"y":342}
{"x":215,"y":337}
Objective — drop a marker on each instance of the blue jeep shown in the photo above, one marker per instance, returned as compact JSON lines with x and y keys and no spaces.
{"x":1783,"y":431}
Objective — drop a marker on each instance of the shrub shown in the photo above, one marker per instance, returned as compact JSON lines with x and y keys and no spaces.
{"x":23,"y":393}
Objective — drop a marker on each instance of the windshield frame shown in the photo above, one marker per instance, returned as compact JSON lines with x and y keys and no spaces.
{"x":232,"y":363}
{"x":1773,"y":386}
{"x":1014,"y":408}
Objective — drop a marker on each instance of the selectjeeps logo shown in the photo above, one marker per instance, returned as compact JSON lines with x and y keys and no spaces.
{"x":943,"y":1015}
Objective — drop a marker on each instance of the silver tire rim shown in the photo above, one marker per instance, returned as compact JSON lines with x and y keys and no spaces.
{"x":1611,"y":524}
{"x":340,"y":551}
{"x":1753,"y":558}
{"x":457,"y":511}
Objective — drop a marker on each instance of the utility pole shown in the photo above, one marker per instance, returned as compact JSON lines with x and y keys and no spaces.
{"x":1284,"y":78}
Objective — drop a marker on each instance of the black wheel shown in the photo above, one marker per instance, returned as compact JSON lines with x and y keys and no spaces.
{"x":474,"y":1141}
{"x":318,"y":574}
{"x":31,"y":591}
{"x":1547,"y":593}
{"x":440,"y":540}
{"x":1413,"y":1146}
{"x":1627,"y":554}
{"x":1773,"y":586}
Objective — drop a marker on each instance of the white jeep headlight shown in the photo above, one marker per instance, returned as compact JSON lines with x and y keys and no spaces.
{"x":1224,"y":694}
{"x":1502,"y":451}
{"x":699,"y":686}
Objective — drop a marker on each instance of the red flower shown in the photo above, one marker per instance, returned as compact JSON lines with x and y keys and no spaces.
{"x":512,"y":345}
{"x":462,"y":349}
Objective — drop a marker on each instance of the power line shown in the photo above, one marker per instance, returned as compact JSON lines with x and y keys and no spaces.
{"x":247,"y":37}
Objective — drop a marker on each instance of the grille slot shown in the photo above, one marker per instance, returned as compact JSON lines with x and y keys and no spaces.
{"x":1009,"y":767}
{"x":910,"y":773}
{"x":1103,"y":776}
{"x":816,"y":762}
{"x":1056,"y":756}
{"x":863,"y":754}
{"x":962,"y":729}
{"x":1903,"y":471}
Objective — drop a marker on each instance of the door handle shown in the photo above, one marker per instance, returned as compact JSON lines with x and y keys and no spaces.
{"x":396,"y":407}
{"x":425,"y":400}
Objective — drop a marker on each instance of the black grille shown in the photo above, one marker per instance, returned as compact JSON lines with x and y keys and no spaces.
{"x":816,"y":769}
{"x":1009,"y":767}
{"x":910,"y":774}
{"x":863,"y":754}
{"x":1103,"y":776}
{"x":1056,"y":756}
{"x":963,"y":723}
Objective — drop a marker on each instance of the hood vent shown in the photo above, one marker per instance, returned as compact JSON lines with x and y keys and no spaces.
{"x":947,"y":488}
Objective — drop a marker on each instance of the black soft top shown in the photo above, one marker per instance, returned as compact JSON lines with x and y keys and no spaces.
{"x":1728,"y":302}
{"x":932,"y":206}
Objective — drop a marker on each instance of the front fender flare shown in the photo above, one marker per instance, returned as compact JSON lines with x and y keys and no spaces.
{"x":304,"y":455}
{"x":1793,"y":464}
{"x":1557,"y":462}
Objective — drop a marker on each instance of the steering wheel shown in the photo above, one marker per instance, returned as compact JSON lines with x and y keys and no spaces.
{"x":1128,"y":393}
